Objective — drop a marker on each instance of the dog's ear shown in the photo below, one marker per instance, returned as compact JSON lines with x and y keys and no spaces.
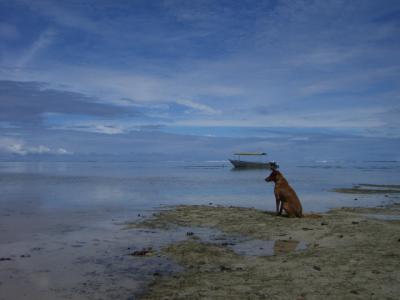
{"x":274,"y":165}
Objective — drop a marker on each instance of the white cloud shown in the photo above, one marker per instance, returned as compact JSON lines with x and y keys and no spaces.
{"x":202,"y":108}
{"x":125,"y":88}
{"x":104,"y":127}
{"x":42,"y":42}
{"x":300,"y":139}
{"x":63,"y":151}
{"x":61,"y":15}
{"x":369,"y":117}
{"x":357,"y":80}
{"x":18,"y":146}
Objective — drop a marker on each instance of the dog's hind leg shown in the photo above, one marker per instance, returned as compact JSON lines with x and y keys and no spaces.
{"x":288,"y":209}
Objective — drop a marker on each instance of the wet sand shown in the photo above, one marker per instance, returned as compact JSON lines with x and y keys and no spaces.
{"x":370,"y":189}
{"x":347,"y":253}
{"x":89,"y":260}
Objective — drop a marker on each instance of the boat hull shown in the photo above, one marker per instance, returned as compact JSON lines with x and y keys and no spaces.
{"x":240,"y":164}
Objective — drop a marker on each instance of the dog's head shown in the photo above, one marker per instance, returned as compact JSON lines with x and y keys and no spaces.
{"x":274,"y":176}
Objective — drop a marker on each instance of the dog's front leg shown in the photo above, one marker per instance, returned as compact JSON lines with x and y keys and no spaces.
{"x":278,"y":202}
{"x":281,"y":208}
{"x":279,"y":205}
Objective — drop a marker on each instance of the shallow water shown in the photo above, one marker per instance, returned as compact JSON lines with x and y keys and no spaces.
{"x":268,"y":248}
{"x":60,"y":187}
{"x":61,"y":224}
{"x":242,"y":245}
{"x":384,"y":217}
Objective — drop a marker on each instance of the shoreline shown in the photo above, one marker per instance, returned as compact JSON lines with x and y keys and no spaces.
{"x":348,"y":254}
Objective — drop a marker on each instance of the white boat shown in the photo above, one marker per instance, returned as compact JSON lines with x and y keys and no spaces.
{"x":248,"y":164}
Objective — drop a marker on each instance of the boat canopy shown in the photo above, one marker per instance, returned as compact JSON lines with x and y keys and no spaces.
{"x":250,"y":153}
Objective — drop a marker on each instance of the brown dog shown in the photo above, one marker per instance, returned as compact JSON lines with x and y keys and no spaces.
{"x":285,"y":196}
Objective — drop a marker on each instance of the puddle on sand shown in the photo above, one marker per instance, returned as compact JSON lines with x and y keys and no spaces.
{"x":383,"y":217}
{"x":268,"y":248}
{"x":245,"y":246}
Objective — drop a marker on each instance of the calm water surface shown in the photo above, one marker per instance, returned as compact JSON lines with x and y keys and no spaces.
{"x":63,"y":187}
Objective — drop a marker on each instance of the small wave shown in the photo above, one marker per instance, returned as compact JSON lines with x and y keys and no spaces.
{"x":383,"y":161}
{"x":321,"y":167}
{"x":205,"y":167}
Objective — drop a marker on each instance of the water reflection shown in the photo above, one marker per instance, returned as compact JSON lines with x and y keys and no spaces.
{"x":267,"y":247}
{"x":123,"y":185}
{"x":287,"y":246}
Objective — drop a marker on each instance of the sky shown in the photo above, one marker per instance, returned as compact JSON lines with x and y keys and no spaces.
{"x":200,"y":79}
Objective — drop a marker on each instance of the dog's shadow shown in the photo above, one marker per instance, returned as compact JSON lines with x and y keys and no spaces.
{"x":305,"y":216}
{"x":273,"y":214}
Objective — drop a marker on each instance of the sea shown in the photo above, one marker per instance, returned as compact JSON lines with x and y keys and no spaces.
{"x":62,"y":224}
{"x":61,"y":187}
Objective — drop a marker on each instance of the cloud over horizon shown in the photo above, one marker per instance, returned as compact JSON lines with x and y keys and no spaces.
{"x":18,"y":146}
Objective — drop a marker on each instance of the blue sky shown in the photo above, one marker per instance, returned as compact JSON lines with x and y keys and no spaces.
{"x":120,"y":77}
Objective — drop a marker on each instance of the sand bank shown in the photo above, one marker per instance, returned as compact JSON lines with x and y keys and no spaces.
{"x":346,"y":254}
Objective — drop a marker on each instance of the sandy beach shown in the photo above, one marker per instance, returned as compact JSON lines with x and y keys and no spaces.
{"x":244,"y":253}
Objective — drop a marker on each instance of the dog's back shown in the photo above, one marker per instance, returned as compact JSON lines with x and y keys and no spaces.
{"x":291,"y":202}
{"x":286,"y":194}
